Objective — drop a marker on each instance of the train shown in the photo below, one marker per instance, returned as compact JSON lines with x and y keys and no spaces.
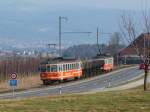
{"x":61,"y":69}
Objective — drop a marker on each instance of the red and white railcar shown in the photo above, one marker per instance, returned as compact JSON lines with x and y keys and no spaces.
{"x":60,"y":70}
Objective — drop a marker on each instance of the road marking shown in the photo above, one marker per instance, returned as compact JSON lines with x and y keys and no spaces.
{"x":44,"y":93}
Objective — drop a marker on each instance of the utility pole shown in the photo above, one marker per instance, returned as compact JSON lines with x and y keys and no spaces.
{"x":60,"y":18}
{"x":98,"y":42}
{"x":102,"y":33}
{"x":60,"y":33}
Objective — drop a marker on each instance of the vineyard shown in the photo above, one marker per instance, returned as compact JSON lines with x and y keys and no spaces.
{"x":22,"y":66}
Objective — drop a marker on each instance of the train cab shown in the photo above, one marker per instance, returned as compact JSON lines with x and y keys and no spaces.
{"x":60,"y":70}
{"x":108,"y":64}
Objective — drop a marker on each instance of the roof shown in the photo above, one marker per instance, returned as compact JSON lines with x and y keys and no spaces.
{"x":140,"y":40}
{"x":59,"y":60}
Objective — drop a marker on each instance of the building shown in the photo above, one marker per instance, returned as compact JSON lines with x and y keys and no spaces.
{"x":139,"y":47}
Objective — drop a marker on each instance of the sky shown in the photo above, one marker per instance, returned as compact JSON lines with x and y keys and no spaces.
{"x":35,"y":5}
{"x":36,"y":21}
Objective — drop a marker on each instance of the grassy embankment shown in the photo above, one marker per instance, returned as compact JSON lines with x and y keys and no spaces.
{"x":135,"y":100}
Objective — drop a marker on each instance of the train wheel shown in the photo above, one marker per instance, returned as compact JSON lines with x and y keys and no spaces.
{"x":65,"y":80}
{"x":45,"y":82}
{"x":61,"y":81}
{"x":77,"y":78}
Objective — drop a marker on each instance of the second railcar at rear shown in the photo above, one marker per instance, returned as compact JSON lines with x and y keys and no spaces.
{"x":97,"y":65}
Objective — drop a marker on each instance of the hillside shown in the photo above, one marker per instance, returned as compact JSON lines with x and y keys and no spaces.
{"x":91,"y":50}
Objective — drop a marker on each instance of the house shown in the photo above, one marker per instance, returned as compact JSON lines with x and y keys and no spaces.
{"x":139,"y":47}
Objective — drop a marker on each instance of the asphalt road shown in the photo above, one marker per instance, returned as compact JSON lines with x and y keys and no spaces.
{"x":100,"y":82}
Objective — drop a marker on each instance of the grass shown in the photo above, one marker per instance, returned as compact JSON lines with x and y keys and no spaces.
{"x":135,"y":100}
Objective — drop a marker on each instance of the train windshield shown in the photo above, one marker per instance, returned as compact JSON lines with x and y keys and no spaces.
{"x":43,"y":68}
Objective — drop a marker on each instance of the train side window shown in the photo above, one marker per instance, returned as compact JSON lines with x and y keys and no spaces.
{"x":59,"y":68}
{"x":73,"y":66}
{"x":53,"y":68}
{"x":106,"y":61}
{"x":70,"y":66}
{"x":110,"y":61}
{"x":67,"y":67}
{"x":63,"y":67}
{"x":77,"y":65}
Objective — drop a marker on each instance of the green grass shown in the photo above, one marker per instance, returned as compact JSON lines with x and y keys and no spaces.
{"x":135,"y":100}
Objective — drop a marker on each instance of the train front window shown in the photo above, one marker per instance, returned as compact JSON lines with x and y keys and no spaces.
{"x":43,"y":68}
{"x":48,"y":68}
{"x":53,"y":68}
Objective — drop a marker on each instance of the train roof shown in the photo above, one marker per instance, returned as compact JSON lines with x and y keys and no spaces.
{"x":102,"y":56}
{"x":60,"y":60}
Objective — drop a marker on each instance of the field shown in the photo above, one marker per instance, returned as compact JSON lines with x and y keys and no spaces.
{"x":24,"y":83}
{"x":135,"y":100}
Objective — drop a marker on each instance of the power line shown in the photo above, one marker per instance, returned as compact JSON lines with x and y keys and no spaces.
{"x":77,"y":32}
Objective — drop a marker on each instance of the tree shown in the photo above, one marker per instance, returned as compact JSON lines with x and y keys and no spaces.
{"x":115,"y":39}
{"x":130,"y":33}
{"x":115,"y":43}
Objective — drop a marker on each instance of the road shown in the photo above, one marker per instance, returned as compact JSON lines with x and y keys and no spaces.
{"x":99,"y":82}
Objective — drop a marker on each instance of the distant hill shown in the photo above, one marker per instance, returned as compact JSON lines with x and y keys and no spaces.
{"x":88,"y":51}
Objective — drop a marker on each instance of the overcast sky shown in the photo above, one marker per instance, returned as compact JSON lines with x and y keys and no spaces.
{"x":27,"y":19}
{"x":32,"y":5}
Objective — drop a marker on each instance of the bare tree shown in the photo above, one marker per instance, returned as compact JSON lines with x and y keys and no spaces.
{"x":130,"y":33}
{"x":115,"y":39}
{"x":115,"y":43}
